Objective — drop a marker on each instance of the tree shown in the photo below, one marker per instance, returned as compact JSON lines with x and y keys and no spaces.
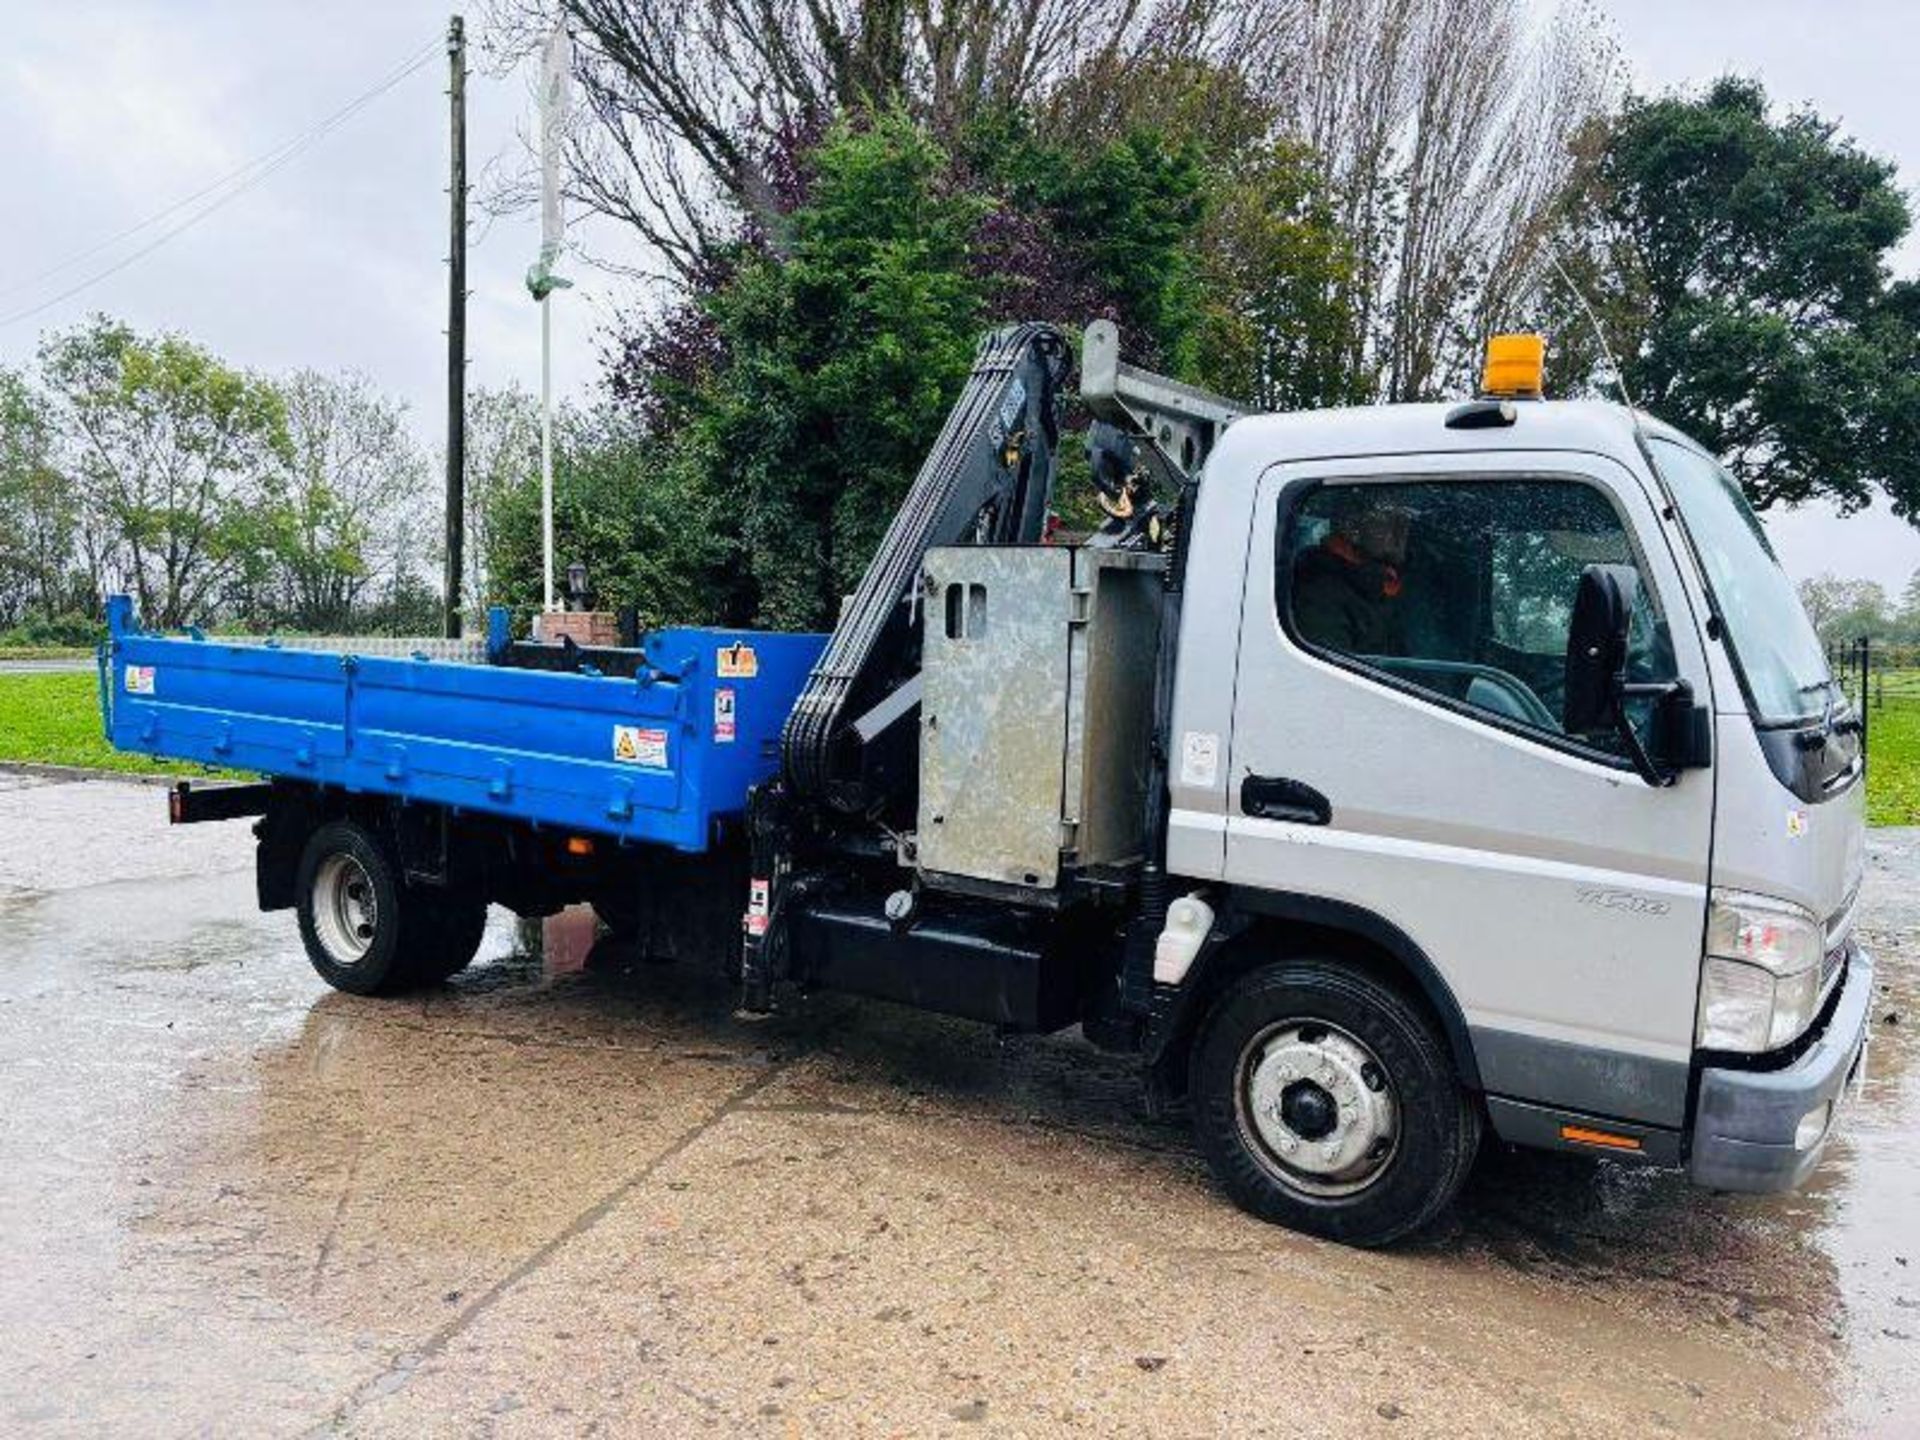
{"x":1909,"y":616}
{"x":803,"y":381}
{"x":348,"y":510}
{"x":36,"y":510}
{"x":502,"y":454}
{"x":170,"y":450}
{"x":1274,"y":294}
{"x":1741,"y":262}
{"x":688,"y":106}
{"x":641,"y":520}
{"x":1439,"y":129}
{"x":1843,"y":610}
{"x":845,"y":356}
{"x":1444,"y":129}
{"x":1095,"y":229}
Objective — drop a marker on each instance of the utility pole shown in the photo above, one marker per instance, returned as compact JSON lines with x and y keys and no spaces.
{"x":456,"y":324}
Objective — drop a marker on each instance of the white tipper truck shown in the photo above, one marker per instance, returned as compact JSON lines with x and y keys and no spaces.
{"x":1379,"y":776}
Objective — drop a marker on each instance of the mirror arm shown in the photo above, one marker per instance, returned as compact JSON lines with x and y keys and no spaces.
{"x":1642,"y":761}
{"x":1650,"y":770}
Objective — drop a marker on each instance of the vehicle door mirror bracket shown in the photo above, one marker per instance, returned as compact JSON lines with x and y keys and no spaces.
{"x":1678,"y":733}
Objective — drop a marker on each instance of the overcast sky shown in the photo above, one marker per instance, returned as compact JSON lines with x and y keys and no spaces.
{"x":111,"y":112}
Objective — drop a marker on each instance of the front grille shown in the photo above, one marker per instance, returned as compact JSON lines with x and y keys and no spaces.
{"x":1839,"y":939}
{"x":1831,"y":962}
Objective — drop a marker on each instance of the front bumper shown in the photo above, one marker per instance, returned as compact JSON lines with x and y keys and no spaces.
{"x":1744,"y":1121}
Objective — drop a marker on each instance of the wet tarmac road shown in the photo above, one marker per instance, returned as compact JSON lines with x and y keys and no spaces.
{"x":554,"y":1198}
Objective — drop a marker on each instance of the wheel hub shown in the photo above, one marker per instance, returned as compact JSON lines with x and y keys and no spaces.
{"x":1321,"y":1106}
{"x":1310,"y":1112}
{"x":345,"y":910}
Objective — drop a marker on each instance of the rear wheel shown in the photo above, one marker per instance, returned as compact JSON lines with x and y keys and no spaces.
{"x":364,"y":931}
{"x":618,"y":908}
{"x":456,"y":925}
{"x":1324,"y":1100}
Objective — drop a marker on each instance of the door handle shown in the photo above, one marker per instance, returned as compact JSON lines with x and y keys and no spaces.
{"x":1275,"y":797}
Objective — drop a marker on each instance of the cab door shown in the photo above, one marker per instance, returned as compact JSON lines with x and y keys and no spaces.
{"x":1397,"y":748}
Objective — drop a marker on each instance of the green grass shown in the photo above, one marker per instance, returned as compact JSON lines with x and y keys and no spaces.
{"x":55,"y":720}
{"x":1893,"y":763}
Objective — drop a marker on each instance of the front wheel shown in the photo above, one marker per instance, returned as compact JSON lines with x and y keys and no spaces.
{"x":1324,"y":1100}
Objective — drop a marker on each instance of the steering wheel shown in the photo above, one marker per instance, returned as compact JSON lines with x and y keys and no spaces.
{"x":1500,"y":692}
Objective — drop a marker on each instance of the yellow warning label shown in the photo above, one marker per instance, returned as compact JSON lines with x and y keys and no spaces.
{"x":637,"y":745}
{"x":737,"y":662}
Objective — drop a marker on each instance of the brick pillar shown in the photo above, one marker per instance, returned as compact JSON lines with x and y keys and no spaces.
{"x":584,"y":627}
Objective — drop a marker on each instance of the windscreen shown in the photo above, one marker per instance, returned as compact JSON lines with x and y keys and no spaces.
{"x":1772,"y":641}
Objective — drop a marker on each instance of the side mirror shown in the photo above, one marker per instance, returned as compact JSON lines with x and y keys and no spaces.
{"x":1597,"y":688}
{"x":1597,"y":648}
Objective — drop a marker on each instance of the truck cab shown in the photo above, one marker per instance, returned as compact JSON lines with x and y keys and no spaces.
{"x":1625,"y":919}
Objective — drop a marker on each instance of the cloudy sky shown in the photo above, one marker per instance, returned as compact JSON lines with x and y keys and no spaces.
{"x":110,"y":113}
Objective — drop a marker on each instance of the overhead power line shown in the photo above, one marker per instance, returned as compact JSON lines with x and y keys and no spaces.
{"x":211,"y":197}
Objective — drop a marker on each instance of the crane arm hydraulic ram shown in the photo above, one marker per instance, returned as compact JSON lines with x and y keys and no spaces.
{"x":987,"y":480}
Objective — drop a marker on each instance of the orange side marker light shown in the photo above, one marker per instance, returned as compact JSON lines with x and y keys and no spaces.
{"x":1605,"y":1139}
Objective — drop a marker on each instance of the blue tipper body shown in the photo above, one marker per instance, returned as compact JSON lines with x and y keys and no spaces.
{"x":657,"y":758}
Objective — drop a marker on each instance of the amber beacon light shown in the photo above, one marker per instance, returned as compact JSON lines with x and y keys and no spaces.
{"x":1516,"y":365}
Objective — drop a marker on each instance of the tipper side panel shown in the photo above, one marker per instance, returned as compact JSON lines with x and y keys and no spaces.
{"x":655,"y":758}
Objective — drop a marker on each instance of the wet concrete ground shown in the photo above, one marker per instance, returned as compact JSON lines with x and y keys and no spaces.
{"x":552,"y":1198}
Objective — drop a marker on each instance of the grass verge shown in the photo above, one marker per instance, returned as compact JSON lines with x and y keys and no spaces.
{"x":1893,"y":768}
{"x":54,"y":719}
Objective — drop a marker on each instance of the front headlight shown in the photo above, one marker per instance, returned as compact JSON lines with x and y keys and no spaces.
{"x":1760,"y":981}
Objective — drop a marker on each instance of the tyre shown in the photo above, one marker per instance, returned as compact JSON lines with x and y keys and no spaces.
{"x":620,"y":911}
{"x":455,"y":925}
{"x":363,"y":930}
{"x":618,"y":908}
{"x":1325,"y":1101}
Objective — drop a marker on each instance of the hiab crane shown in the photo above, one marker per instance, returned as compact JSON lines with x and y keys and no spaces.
{"x":1376,"y":776}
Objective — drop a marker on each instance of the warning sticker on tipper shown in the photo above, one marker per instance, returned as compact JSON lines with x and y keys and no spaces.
{"x":140,"y":679}
{"x":633,"y":745}
{"x":737,"y":662}
{"x":1796,"y":824}
{"x":723,"y":728}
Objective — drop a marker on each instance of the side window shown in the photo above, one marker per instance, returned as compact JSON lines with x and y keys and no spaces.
{"x":1463,"y":589}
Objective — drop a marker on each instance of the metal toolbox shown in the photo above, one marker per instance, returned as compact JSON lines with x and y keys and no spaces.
{"x":1036,"y":710}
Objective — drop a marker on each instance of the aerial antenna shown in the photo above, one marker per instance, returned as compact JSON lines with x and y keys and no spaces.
{"x":1613,"y":364}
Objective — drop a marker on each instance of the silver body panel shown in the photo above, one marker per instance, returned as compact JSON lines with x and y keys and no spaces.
{"x":1770,"y":841}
